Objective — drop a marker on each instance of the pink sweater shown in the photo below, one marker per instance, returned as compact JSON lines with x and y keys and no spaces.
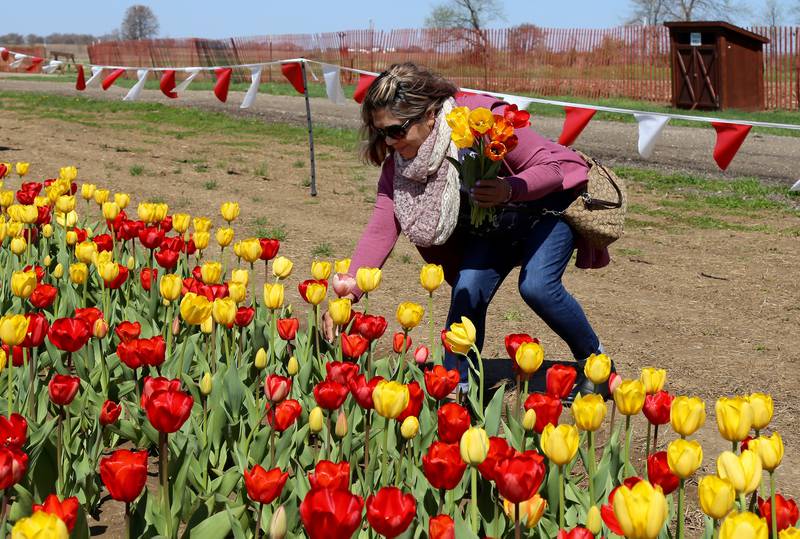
{"x":535,"y":168}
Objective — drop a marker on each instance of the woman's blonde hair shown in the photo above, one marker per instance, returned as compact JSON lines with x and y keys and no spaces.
{"x":409,"y":91}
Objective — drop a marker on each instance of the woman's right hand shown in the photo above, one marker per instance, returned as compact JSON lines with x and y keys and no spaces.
{"x":328,"y":329}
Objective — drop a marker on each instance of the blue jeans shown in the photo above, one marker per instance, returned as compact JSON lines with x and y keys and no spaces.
{"x":543,"y":246}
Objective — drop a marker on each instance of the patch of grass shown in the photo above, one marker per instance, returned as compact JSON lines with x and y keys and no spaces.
{"x":177,"y":170}
{"x":624,"y":251}
{"x":210,"y":185}
{"x":276,"y":232}
{"x":158,"y":199}
{"x":512,"y":316}
{"x":201,"y":167}
{"x":257,"y":199}
{"x":261,"y":170}
{"x":298,"y":164}
{"x":136,"y":170}
{"x":323,"y":250}
{"x":405,"y":259}
{"x":260,"y":221}
{"x":306,"y":182}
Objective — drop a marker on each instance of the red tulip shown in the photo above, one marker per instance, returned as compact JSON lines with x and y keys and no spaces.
{"x":397,"y":342}
{"x":331,"y":514}
{"x":109,"y":413}
{"x":124,"y":474}
{"x":166,"y":223}
{"x":745,"y":445}
{"x":440,"y":382}
{"x":329,"y":394}
{"x":90,"y":315}
{"x":103,"y":242}
{"x":421,"y":354}
{"x":658,"y":473}
{"x":151,"y":237}
{"x":498,"y":451}
{"x":25,"y":198}
{"x":341,"y":372}
{"x":361,"y":390}
{"x":66,"y":511}
{"x":657,"y":408}
{"x":519,"y":477}
{"x":127,"y":353}
{"x":126,"y":229}
{"x":168,"y":410}
{"x":283,"y":415}
{"x":63,"y":389}
{"x":38,"y":326}
{"x":37,"y":269}
{"x":354,"y":345}
{"x":452,"y":420}
{"x":578,"y":532}
{"x":264,"y":486}
{"x":786,"y":512}
{"x":415,"y":399}
{"x":443,"y":466}
{"x":173,"y":243}
{"x":167,"y":258}
{"x":269,"y":248}
{"x":390,"y":512}
{"x":128,"y":331}
{"x":518,"y":118}
{"x":43,"y":296}
{"x":548,"y":410}
{"x":140,"y":352}
{"x":152,"y":385}
{"x":118,"y":281}
{"x":371,"y":327}
{"x":13,"y":465}
{"x":16,"y":355}
{"x":330,"y":475}
{"x":514,"y":341}
{"x":277,"y":388}
{"x":44,"y":216}
{"x":287,"y":328}
{"x":303,"y":287}
{"x":69,"y":334}
{"x":443,"y":338}
{"x":81,"y":233}
{"x":559,"y":380}
{"x":197,"y":273}
{"x":441,"y":527}
{"x":147,"y":276}
{"x":13,"y":431}
{"x":607,"y":510}
{"x":213,"y":291}
{"x":245,"y":315}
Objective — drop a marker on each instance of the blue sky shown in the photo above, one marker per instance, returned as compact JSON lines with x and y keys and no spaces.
{"x":216,"y":19}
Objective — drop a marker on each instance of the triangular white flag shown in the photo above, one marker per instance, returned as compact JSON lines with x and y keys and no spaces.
{"x":650,"y":127}
{"x":95,"y":78}
{"x":193,"y":72}
{"x":18,"y":59}
{"x":333,"y":84}
{"x":133,"y":93}
{"x":252,"y":92}
{"x":52,"y":66}
{"x":796,"y":186}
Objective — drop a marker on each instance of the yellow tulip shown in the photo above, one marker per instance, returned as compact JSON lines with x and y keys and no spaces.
{"x":743,"y":471}
{"x":3,"y":359}
{"x":315,"y":293}
{"x":110,"y":210}
{"x":131,"y":263}
{"x":71,"y":237}
{"x":282,"y":267}
{"x":653,"y":379}
{"x":229,"y":211}
{"x":108,"y":270}
{"x":462,"y":137}
{"x":206,"y":385}
{"x":40,"y":525}
{"x":22,"y":168}
{"x":292,"y":366}
{"x":560,"y":443}
{"x":594,"y":521}
{"x":180,"y":222}
{"x":769,"y":450}
{"x":250,"y":249}
{"x":237,"y":291}
{"x":78,"y":272}
{"x":201,"y":239}
{"x":431,"y":277}
{"x":597,"y":368}
{"x":122,"y":200}
{"x":340,"y":430}
{"x":734,"y":418}
{"x":65,"y":203}
{"x":390,"y":399}
{"x":201,"y":224}
{"x":195,"y":309}
{"x":241,"y":276}
{"x":342,"y":266}
{"x":409,"y":315}
{"x":18,"y":246}
{"x":530,"y":511}
{"x":260,"y":360}
{"x":529,"y":420}
{"x":23,"y":283}
{"x":461,"y":336}
{"x":6,"y":198}
{"x":684,"y":457}
{"x":85,"y":251}
{"x":273,"y":295}
{"x":315,"y":419}
{"x":87,"y":191}
{"x":58,"y":271}
{"x":207,"y":326}
{"x":161,"y":210}
{"x":716,"y":496}
{"x":589,"y":411}
{"x":321,"y":269}
{"x":47,"y":230}
{"x":101,"y":195}
{"x":368,"y":279}
{"x":224,"y":236}
{"x":762,"y":410}
{"x":529,"y":357}
{"x":211,"y":272}
{"x":789,"y":533}
{"x":409,"y":428}
{"x":481,"y":120}
{"x":458,"y":118}
{"x":67,"y":173}
{"x":147,"y":212}
{"x":687,"y":414}
{"x":474,"y":446}
{"x":41,"y":201}
{"x":102,"y":257}
{"x":67,"y":220}
{"x":13,"y":329}
{"x":340,"y":310}
{"x":744,"y":525}
{"x":629,"y":397}
{"x":14,"y":229}
{"x":224,"y":311}
{"x":170,"y":286}
{"x":641,"y":511}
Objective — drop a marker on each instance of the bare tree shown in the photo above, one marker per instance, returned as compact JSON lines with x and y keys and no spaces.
{"x":691,"y":10}
{"x":772,"y":13}
{"x":648,"y":12}
{"x":139,"y":23}
{"x":12,"y":39}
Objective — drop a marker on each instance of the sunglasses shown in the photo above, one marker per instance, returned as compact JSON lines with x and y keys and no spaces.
{"x":397,"y":131}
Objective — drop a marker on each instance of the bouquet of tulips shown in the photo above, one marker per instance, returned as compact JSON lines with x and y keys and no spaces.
{"x":488,"y":137}
{"x":122,"y":339}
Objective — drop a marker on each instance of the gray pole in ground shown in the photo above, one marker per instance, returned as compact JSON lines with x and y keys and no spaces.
{"x":310,"y":133}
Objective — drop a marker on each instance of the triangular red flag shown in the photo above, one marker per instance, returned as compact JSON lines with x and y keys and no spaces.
{"x":223,"y":83}
{"x":80,"y":84}
{"x":576,"y":121}
{"x":109,"y":80}
{"x":35,"y":61}
{"x":168,"y":84}
{"x":729,"y":139}
{"x":294,"y":73}
{"x":364,"y":82}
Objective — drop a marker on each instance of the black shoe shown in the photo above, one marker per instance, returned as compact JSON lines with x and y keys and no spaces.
{"x":584,"y":386}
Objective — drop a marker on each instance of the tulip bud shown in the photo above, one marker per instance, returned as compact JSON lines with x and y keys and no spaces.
{"x":431,"y":277}
{"x":229,"y":211}
{"x":410,"y":427}
{"x":58,"y":271}
{"x":653,"y":380}
{"x":281,"y":267}
{"x":614,"y":381}
{"x":3,"y":359}
{"x":716,"y":496}
{"x":734,"y":418}
{"x":18,"y":246}
{"x":207,"y":325}
{"x":762,"y":410}
{"x":277,"y":526}
{"x":769,"y":449}
{"x":176,"y":326}
{"x":474,"y":446}
{"x":368,"y":279}
{"x":340,"y":310}
{"x":206,"y":385}
{"x":421,"y":354}
{"x":78,"y":272}
{"x":237,"y":292}
{"x":71,"y":237}
{"x":321,"y":269}
{"x":292,"y":367}
{"x":110,"y":210}
{"x":122,"y":200}
{"x":684,"y":457}
{"x":47,"y":260}
{"x":87,"y":191}
{"x":589,"y":411}
{"x":594,"y":522}
{"x":560,"y":443}
{"x":529,"y":420}
{"x":342,"y":266}
{"x":47,"y":230}
{"x":201,"y":239}
{"x":629,"y":397}
{"x":744,"y":524}
{"x":100,"y":328}
{"x":343,"y":284}
{"x":273,"y":295}
{"x":529,"y":357}
{"x":261,"y":359}
{"x":341,"y":425}
{"x":409,"y":315}
{"x":315,"y":420}
{"x":530,"y":511}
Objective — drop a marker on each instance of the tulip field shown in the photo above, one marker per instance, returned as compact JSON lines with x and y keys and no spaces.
{"x":163,"y":374}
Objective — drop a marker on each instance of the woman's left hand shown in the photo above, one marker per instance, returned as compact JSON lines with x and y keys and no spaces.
{"x":491,"y":192}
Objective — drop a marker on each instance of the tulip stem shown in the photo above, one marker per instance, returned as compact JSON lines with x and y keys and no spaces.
{"x":403,"y":357}
{"x":60,"y":450}
{"x":367,"y":425}
{"x":613,"y":417}
{"x":517,"y":411}
{"x":272,"y":446}
{"x":481,"y":411}
{"x":385,"y":456}
{"x":680,"y":516}
{"x":316,"y":328}
{"x":398,"y":465}
{"x":647,"y":449}
{"x":10,"y":367}
{"x":560,"y":497}
{"x":32,"y":394}
{"x":163,"y":457}
{"x":627,"y":462}
{"x":259,"y":510}
{"x":329,"y":437}
{"x":591,"y":467}
{"x":128,"y":521}
{"x":517,"y":530}
{"x":430,"y":325}
{"x":655,"y":439}
{"x":772,"y":508}
{"x":474,"y":500}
